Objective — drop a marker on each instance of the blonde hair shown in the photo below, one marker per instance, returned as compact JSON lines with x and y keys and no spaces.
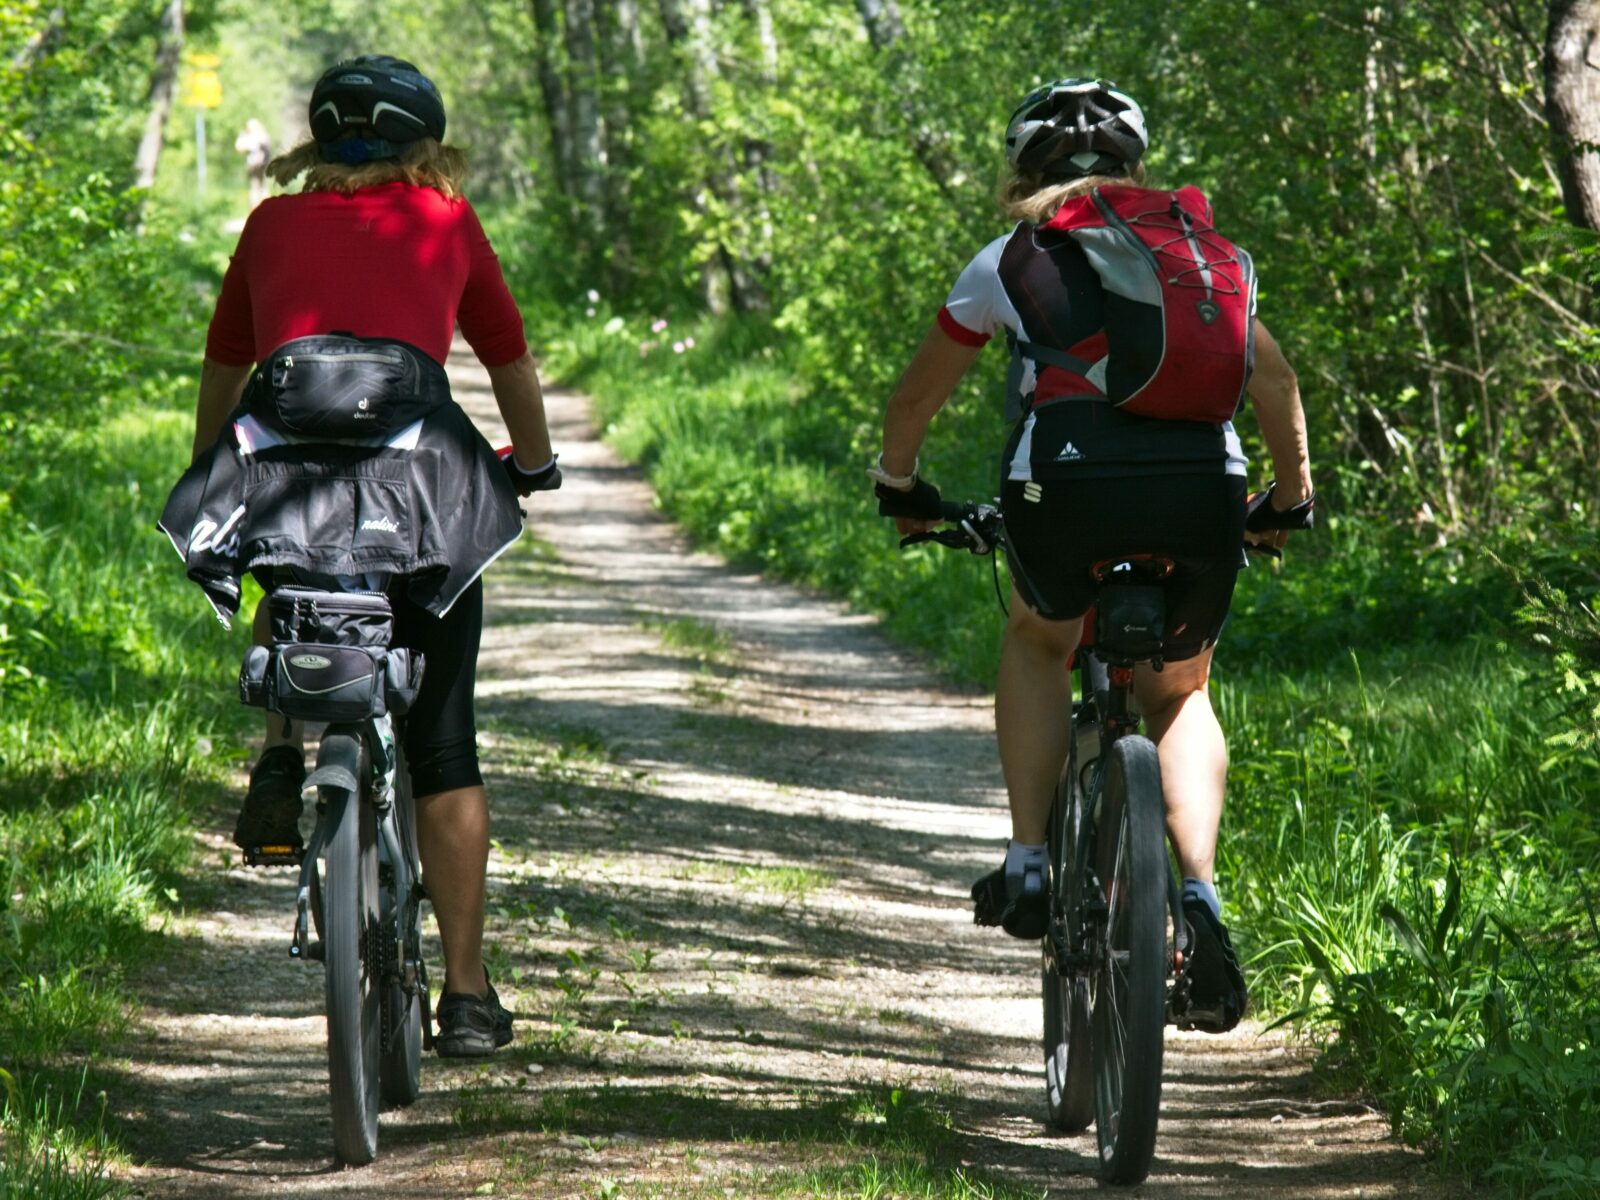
{"x":1026,"y":198}
{"x":422,"y":163}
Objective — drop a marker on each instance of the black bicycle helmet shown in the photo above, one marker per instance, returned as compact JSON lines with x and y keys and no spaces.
{"x":1075,"y":127}
{"x":372,"y":106}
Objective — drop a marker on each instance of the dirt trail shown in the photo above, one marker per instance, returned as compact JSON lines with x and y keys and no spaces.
{"x":735,"y":828}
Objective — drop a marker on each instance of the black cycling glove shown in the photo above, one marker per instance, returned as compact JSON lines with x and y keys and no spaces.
{"x":1260,"y":516}
{"x":546,"y":479}
{"x":921,"y":501}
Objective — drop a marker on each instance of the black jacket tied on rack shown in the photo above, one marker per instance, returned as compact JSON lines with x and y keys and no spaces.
{"x":346,"y":457}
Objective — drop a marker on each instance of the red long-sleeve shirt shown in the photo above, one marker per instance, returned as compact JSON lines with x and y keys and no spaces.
{"x":393,"y":261}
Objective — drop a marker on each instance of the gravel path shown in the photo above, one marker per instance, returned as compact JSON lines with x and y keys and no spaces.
{"x":734,"y":831}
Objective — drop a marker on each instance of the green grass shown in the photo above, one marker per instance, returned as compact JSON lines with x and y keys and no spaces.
{"x":55,"y":1141}
{"x":692,"y":638}
{"x":116,"y":714}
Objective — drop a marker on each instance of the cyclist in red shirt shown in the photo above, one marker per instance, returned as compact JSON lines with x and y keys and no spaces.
{"x":1083,"y":481}
{"x":380,"y":243}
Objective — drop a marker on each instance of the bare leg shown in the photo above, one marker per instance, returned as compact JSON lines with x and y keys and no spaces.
{"x":1194,"y":757}
{"x":453,"y":838}
{"x":1032,"y":711}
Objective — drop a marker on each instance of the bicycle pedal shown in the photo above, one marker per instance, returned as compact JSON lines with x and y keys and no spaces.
{"x":274,"y":856}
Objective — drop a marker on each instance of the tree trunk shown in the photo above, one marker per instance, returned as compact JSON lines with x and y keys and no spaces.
{"x":163,"y":80}
{"x":758,"y":150}
{"x":621,"y":62}
{"x":40,"y":44}
{"x":1572,"y":103}
{"x":588,"y":157}
{"x":887,"y":32}
{"x":556,"y":109}
{"x":687,"y":28}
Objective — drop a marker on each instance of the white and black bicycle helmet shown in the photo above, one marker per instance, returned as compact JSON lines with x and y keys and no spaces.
{"x":1076,"y":127}
{"x":372,"y":106}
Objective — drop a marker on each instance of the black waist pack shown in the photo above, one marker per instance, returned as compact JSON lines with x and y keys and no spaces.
{"x":330,"y":659}
{"x":338,"y":386}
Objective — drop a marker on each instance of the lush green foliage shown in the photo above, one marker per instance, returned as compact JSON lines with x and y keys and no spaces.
{"x":1419,"y":807}
{"x":108,"y":698}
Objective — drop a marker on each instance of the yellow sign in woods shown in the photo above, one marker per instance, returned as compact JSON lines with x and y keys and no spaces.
{"x":202,"y":86}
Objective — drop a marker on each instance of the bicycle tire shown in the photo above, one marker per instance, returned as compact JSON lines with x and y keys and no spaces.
{"x":400,"y":1064}
{"x":1068,"y":1054}
{"x":1129,"y":1001}
{"x":351,"y":984}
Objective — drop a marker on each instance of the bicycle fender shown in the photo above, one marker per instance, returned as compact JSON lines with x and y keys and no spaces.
{"x":338,"y":765}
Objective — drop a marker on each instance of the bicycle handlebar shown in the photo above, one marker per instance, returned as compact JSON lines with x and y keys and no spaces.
{"x":980,"y":529}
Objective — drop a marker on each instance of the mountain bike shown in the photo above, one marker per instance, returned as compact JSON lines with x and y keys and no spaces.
{"x":358,"y":909}
{"x":1113,"y":950}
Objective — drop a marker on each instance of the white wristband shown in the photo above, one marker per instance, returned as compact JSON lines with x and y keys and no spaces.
{"x":877,"y":474}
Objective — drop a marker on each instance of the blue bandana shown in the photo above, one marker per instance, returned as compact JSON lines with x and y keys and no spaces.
{"x":355,"y":151}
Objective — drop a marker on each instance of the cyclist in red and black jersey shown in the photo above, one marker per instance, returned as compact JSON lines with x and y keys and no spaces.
{"x":1083,"y":481}
{"x":380,"y":244}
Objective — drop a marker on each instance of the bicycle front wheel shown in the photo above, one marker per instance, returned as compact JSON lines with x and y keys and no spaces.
{"x":1068,"y":1067}
{"x":351,"y":978}
{"x":1130,"y":980}
{"x":400,"y":1066}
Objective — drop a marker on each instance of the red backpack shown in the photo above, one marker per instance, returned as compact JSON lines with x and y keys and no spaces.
{"x":1179,"y":303}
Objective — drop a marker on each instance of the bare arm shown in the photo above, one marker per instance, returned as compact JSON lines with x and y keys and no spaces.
{"x":931,"y":376}
{"x":1275,"y":396}
{"x":521,"y":401}
{"x":221,"y":385}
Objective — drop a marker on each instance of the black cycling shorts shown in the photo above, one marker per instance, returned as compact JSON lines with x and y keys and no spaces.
{"x":440,"y":734}
{"x":1198,"y":520}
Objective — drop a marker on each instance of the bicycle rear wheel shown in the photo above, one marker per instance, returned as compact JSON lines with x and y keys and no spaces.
{"x":1068,"y":1065}
{"x":1130,"y":979}
{"x":351,"y":967}
{"x":400,"y":1064}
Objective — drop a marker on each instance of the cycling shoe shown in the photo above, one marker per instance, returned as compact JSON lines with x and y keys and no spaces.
{"x":1215,"y":997}
{"x":471,"y":1026}
{"x":1025,"y":915}
{"x":269,"y":822}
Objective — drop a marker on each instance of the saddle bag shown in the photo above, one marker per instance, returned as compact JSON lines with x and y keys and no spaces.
{"x":1130,"y":622}
{"x":330,"y":659}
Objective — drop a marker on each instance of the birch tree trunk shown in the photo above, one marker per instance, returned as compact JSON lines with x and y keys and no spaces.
{"x":588,"y":156}
{"x":758,"y":150}
{"x":39,"y":45}
{"x":687,"y":28}
{"x":887,"y":31}
{"x":554,"y":93}
{"x":621,"y":62}
{"x":1572,"y":103}
{"x":163,"y":82}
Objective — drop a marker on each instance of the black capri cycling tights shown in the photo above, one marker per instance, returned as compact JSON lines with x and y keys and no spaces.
{"x":440,"y":735}
{"x":1059,"y":529}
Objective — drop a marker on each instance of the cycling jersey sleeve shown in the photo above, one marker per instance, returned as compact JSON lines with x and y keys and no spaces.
{"x":977,"y":305}
{"x":231,"y":338}
{"x":488,"y":315}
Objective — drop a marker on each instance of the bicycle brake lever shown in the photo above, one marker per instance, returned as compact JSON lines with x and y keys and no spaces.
{"x":975,"y":539}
